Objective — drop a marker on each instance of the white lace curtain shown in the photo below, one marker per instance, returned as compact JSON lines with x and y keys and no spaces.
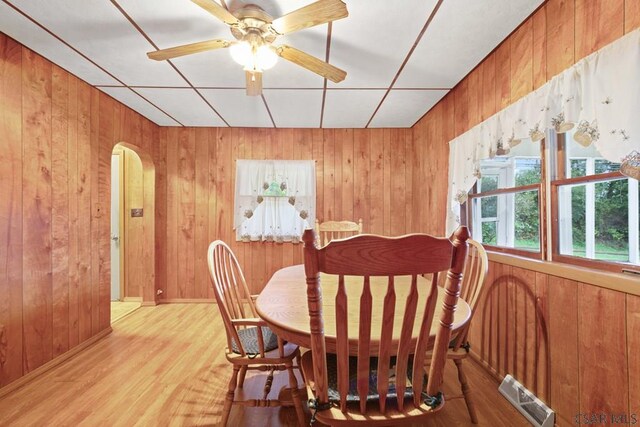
{"x":599,"y":95}
{"x":274,"y":199}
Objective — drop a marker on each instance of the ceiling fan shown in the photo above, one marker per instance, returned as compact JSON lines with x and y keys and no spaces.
{"x":255,"y":31}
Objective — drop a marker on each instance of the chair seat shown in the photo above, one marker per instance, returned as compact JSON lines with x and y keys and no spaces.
{"x":352,"y":394}
{"x":249,"y":340}
{"x":372,"y":417}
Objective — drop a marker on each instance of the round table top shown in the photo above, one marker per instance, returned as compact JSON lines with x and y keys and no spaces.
{"x":283,"y":306}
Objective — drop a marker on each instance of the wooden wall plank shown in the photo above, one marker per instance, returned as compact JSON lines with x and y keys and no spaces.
{"x":287,"y":153}
{"x":213,"y":192}
{"x":318,"y":155}
{"x":398,"y":202}
{"x":337,"y":172}
{"x":489,"y":107}
{"x":563,"y":338}
{"x":461,"y":96}
{"x":386,"y":182}
{"x":539,"y":20}
{"x":474,"y":89}
{"x":149,"y":136}
{"x":361,"y":181}
{"x":633,"y":350}
{"x":408,"y":180}
{"x":631,"y":15}
{"x":36,"y":193}
{"x":346,"y":183}
{"x":173,"y":194}
{"x":542,"y":371}
{"x":201,"y":239}
{"x":72,"y":188}
{"x":598,"y":23}
{"x":159,"y":153}
{"x":106,"y":142}
{"x":602,"y":364}
{"x":133,"y":226}
{"x":94,"y":269}
{"x":329,"y":208}
{"x":560,"y":30}
{"x":376,"y":180}
{"x":186,"y":213}
{"x":503,"y":75}
{"x":60,"y":210}
{"x":84,"y":211}
{"x":522,"y":61}
{"x":11,"y":210}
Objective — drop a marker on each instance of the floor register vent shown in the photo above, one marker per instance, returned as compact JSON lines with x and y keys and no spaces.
{"x":527,"y":403}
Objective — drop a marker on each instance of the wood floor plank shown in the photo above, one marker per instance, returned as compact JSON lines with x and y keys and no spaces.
{"x":164,"y":366}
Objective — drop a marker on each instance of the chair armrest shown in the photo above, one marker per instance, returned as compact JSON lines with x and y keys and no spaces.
{"x":248,"y":322}
{"x":254,"y":297}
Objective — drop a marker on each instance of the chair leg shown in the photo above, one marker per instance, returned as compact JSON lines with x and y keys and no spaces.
{"x":243,"y":372}
{"x":230,"y":394}
{"x":466,"y":391}
{"x":295,"y":394}
{"x":299,"y":365}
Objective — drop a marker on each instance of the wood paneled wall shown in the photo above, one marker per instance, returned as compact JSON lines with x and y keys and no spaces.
{"x":56,"y":139}
{"x":572,"y":343}
{"x":359,"y":173}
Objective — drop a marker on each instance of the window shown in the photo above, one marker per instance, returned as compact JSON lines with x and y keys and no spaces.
{"x":593,"y":209}
{"x":274,"y":200}
{"x":505,"y":208}
{"x":596,"y":214}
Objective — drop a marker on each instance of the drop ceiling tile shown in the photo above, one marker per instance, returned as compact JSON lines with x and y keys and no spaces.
{"x":171,"y":23}
{"x":238,"y":109}
{"x":15,"y":25}
{"x":373,"y":41}
{"x":139,"y":104}
{"x":461,"y":34}
{"x":101,"y":32}
{"x":294,"y":108}
{"x":350,"y":108}
{"x":184,"y":105}
{"x":402,"y":108}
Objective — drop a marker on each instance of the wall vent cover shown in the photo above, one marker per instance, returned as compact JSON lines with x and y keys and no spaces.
{"x":534,"y":409}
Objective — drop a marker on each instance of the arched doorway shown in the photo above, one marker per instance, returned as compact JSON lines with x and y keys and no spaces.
{"x":132,"y":229}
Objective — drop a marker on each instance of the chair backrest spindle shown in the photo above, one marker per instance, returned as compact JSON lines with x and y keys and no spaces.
{"x":230,"y":288}
{"x":372,"y":258}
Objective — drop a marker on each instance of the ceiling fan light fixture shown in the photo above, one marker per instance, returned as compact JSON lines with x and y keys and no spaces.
{"x":241,"y":52}
{"x":266,"y":58}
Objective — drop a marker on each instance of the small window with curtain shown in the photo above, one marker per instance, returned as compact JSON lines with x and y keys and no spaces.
{"x":274,"y":199}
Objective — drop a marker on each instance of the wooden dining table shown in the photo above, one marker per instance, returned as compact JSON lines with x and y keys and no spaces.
{"x":283,"y":306}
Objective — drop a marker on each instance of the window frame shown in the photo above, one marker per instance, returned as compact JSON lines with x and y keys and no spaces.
{"x":542,"y":227}
{"x":557,"y":180}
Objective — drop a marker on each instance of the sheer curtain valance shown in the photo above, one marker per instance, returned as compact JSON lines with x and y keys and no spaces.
{"x":274,"y":200}
{"x":599,"y":96}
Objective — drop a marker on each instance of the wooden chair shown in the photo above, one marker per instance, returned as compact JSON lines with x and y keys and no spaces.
{"x":475,"y":271}
{"x":351,"y":387}
{"x":330,"y":230}
{"x":251,"y":345}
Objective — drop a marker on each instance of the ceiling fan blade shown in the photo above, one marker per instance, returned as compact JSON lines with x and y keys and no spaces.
{"x":311,"y":63}
{"x":188,"y":49}
{"x":218,"y":11}
{"x":254,"y":83}
{"x":314,"y":14}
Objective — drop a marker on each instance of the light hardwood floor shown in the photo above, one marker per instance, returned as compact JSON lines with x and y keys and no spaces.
{"x":165,"y":365}
{"x":119,"y":309}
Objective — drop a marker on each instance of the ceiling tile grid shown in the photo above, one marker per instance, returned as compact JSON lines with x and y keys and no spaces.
{"x":399,"y":62}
